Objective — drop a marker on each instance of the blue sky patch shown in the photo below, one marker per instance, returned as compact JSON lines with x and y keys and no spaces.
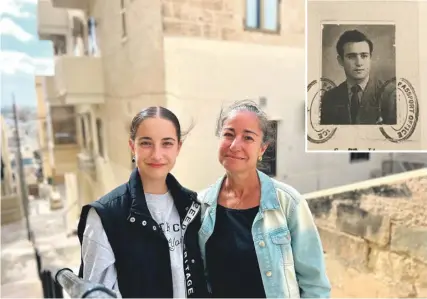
{"x":22,"y":54}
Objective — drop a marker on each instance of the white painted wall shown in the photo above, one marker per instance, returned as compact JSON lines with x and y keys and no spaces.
{"x":201,"y":75}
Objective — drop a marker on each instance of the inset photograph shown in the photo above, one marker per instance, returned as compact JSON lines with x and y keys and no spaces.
{"x":360,"y":59}
{"x":364,"y":83}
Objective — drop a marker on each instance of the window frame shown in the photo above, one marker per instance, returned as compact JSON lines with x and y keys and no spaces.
{"x":100,"y":136}
{"x":67,"y":120}
{"x":123,"y":20}
{"x":260,"y":16}
{"x":272,"y":149}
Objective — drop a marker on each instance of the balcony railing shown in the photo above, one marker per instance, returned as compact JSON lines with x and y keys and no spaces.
{"x":55,"y":281}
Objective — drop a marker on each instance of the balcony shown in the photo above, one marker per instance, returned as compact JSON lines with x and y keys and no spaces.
{"x":52,"y":93}
{"x":78,"y":80}
{"x":51,"y":22}
{"x":71,"y":4}
{"x":86,"y":163}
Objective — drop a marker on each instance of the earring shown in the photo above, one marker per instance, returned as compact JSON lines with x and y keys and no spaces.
{"x":260,"y":158}
{"x":133,"y":159}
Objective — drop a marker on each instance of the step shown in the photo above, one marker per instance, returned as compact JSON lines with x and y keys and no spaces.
{"x":31,"y":288}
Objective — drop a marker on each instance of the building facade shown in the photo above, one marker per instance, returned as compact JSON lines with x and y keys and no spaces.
{"x":43,"y":132}
{"x":57,"y":136}
{"x":7,"y":184}
{"x":193,"y":57}
{"x":11,"y":205}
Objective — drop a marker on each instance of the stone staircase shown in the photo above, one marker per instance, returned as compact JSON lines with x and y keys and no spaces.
{"x":19,"y":277}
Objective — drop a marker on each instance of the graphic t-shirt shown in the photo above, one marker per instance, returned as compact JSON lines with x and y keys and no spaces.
{"x":164,"y":212}
{"x":99,"y":258}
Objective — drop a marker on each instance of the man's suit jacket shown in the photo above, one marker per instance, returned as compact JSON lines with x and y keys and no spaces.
{"x":373,"y":109}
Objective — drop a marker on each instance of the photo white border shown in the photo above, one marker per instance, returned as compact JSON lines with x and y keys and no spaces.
{"x":421,"y":126}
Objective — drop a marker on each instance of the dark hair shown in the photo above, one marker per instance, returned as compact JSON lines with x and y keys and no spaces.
{"x":153,"y":112}
{"x":352,"y":36}
{"x":248,"y":105}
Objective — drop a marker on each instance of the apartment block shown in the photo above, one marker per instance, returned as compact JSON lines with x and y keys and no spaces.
{"x":43,"y":131}
{"x":194,"y":57}
{"x":6,"y":169}
{"x":11,"y":205}
{"x":57,"y":134}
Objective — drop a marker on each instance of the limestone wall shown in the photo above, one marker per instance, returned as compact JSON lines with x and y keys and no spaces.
{"x":11,"y":208}
{"x":376,"y":228}
{"x":225,"y":20}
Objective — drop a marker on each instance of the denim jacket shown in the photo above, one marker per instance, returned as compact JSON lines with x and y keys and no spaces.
{"x":286,"y":240}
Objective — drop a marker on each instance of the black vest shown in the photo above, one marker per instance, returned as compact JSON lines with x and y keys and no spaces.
{"x":142,"y":251}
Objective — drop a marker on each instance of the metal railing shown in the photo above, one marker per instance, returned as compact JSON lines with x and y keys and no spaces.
{"x":57,"y":280}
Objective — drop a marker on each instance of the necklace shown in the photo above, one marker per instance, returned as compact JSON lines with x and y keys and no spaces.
{"x":230,"y":198}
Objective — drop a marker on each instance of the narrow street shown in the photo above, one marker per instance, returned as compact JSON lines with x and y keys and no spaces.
{"x":19,"y":268}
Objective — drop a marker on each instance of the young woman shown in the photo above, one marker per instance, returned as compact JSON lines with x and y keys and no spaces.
{"x":141,"y":238}
{"x":257,"y":238}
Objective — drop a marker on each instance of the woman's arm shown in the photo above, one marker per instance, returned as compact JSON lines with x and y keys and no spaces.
{"x":97,"y":254}
{"x":308,"y":253}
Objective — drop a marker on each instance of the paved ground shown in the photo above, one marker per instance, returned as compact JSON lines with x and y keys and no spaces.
{"x":19,"y":269}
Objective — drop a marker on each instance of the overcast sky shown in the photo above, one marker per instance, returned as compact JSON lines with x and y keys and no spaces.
{"x":22,"y":54}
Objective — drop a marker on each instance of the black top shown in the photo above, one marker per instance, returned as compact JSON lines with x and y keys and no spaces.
{"x":230,"y":256}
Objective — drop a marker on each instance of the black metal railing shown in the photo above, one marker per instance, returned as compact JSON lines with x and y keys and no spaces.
{"x":57,"y":280}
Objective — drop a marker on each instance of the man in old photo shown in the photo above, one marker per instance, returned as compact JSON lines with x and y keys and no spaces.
{"x":358,"y":100}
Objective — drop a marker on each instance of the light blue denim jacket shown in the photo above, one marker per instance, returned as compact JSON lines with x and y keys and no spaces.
{"x":286,"y":240}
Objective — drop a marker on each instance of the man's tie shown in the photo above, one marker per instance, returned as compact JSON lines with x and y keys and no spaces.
{"x":354,"y":105}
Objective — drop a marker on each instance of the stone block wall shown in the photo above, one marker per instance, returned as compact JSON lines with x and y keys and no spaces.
{"x":377,"y":228}
{"x":224,"y":20}
{"x":11,"y":208}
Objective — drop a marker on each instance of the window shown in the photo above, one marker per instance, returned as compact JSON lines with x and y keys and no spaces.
{"x":89,"y":135}
{"x":263,"y":15}
{"x":63,"y":125}
{"x":44,"y":137}
{"x":100,"y":135}
{"x":83,"y":128}
{"x":93,"y":40}
{"x":268,"y":163}
{"x":79,"y":48}
{"x":123,"y":17}
{"x":2,"y":170}
{"x":354,"y":157}
{"x":59,"y":44}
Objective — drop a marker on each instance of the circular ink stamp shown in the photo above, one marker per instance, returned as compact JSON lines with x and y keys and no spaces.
{"x":402,"y":95}
{"x":315,"y":132}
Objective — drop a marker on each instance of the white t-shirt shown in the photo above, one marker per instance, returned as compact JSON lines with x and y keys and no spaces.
{"x":98,"y":256}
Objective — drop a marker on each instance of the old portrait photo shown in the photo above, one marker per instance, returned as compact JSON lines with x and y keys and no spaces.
{"x":359,"y":60}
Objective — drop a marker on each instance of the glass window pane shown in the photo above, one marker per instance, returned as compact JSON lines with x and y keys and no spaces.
{"x":270,"y":16}
{"x":268,"y":163}
{"x":252,"y":13}
{"x":63,"y":125}
{"x":100,"y":139}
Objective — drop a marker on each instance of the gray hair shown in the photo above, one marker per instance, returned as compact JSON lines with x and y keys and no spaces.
{"x":267,"y":129}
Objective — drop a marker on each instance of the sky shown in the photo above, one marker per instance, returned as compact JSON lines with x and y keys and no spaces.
{"x":22,"y":54}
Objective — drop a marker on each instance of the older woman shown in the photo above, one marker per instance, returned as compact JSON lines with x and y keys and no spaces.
{"x":258,"y":238}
